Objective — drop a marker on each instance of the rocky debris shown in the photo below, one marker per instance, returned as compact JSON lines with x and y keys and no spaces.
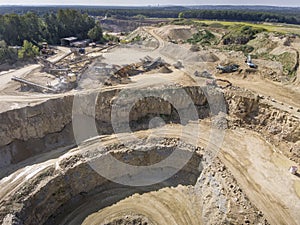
{"x":224,"y":202}
{"x":247,"y":109}
{"x":244,"y":105}
{"x":220,"y":121}
{"x":203,"y":74}
{"x":58,"y":186}
{"x":130,"y":220}
{"x":11,"y":220}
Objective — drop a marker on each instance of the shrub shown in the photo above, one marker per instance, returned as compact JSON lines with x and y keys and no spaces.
{"x":28,"y":51}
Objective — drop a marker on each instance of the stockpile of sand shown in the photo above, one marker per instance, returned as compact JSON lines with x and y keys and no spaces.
{"x":142,"y":38}
{"x":165,"y":69}
{"x":180,"y":53}
{"x":176,"y":32}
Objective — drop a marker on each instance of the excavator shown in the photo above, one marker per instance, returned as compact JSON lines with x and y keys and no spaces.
{"x":250,"y":63}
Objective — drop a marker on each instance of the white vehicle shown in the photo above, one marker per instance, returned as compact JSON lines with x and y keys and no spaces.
{"x":250,"y":63}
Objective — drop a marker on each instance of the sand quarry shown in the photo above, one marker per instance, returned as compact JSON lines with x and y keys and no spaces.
{"x":239,"y":134}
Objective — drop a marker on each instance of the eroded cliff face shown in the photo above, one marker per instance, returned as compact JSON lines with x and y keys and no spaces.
{"x":35,"y":121}
{"x":277,"y":125}
{"x":32,"y":130}
{"x":69,"y":183}
{"x":45,"y":126}
{"x":223,"y":200}
{"x":70,"y":190}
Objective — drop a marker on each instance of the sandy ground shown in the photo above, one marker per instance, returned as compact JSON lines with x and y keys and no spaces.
{"x":260,"y":170}
{"x":165,"y":206}
{"x":263,"y":173}
{"x":286,"y":94}
{"x":5,"y":77}
{"x":258,"y":166}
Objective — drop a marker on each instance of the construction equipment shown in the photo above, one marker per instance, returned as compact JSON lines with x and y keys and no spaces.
{"x":126,"y":71}
{"x":35,"y":86}
{"x":81,"y":50}
{"x":50,"y":67}
{"x":250,"y":63}
{"x":178,"y":65}
{"x":172,"y":40}
{"x":293,"y":170}
{"x":228,"y":69}
{"x":45,"y":50}
{"x":59,"y":72}
{"x":71,"y":78}
{"x":153,"y":64}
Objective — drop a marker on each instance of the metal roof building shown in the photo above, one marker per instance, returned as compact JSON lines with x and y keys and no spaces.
{"x":67,"y":41}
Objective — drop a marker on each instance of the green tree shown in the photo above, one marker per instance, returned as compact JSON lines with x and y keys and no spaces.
{"x":96,"y":33}
{"x":28,"y":51}
{"x":7,"y":55}
{"x":181,"y":15}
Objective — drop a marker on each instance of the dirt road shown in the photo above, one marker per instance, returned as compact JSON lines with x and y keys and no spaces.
{"x":6,"y":76}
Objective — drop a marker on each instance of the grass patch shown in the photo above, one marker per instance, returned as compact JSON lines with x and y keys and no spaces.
{"x":203,"y":37}
{"x":270,"y":27}
{"x":287,"y":59}
{"x":241,"y":34}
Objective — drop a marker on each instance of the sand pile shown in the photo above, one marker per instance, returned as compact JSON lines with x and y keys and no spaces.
{"x":176,"y":32}
{"x":165,"y":69}
{"x":181,"y":53}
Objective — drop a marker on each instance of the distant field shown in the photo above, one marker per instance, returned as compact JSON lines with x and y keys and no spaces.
{"x":273,"y":27}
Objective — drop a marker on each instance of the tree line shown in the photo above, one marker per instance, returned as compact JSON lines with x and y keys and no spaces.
{"x":241,"y":15}
{"x":51,"y":27}
{"x":233,"y":15}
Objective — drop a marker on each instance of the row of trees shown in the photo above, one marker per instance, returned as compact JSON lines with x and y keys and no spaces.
{"x":254,"y":13}
{"x":218,"y":14}
{"x":11,"y":55}
{"x":30,"y":29}
{"x":51,"y":27}
{"x":235,"y":15}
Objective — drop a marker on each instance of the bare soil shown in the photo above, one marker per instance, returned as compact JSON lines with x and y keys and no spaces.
{"x":248,"y":181}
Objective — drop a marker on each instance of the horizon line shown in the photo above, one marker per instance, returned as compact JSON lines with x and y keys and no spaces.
{"x":151,"y":5}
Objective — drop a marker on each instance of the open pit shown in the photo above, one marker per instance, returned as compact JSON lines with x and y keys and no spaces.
{"x":49,"y":172}
{"x":70,"y":190}
{"x":65,"y":189}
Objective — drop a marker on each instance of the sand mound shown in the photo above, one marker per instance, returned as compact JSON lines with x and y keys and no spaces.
{"x":181,"y":53}
{"x":176,"y":32}
{"x":281,"y":50}
{"x":165,"y":69}
{"x":142,"y":38}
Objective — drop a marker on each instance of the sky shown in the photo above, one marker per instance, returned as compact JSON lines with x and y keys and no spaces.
{"x":149,"y":2}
